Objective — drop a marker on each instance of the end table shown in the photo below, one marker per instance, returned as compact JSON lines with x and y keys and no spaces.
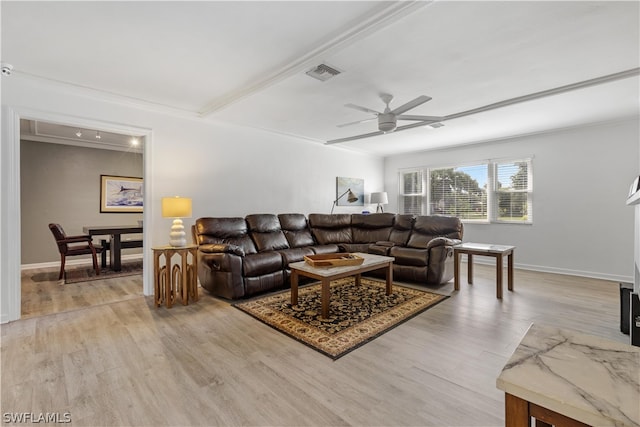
{"x":177,"y":279}
{"x":484,"y":249}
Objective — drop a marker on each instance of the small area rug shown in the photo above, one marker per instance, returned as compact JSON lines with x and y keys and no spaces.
{"x":85,"y":274}
{"x":358,"y":314}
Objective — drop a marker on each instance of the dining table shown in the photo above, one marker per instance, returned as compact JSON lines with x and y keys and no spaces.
{"x":116,"y":243}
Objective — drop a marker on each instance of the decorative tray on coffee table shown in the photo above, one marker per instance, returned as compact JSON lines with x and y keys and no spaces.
{"x":333,"y":260}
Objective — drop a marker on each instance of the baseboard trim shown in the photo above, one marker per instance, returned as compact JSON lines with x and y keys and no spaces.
{"x":73,"y":262}
{"x":476,"y":260}
{"x":556,"y":270}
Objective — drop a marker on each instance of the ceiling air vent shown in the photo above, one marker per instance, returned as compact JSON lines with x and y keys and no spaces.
{"x":323,"y":72}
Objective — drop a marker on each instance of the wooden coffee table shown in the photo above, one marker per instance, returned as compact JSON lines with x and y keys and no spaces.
{"x":327,"y":274}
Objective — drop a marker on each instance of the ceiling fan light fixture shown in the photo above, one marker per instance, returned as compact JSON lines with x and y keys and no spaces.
{"x":386,"y":122}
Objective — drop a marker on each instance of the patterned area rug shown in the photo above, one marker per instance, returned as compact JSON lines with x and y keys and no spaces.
{"x":358,"y":314}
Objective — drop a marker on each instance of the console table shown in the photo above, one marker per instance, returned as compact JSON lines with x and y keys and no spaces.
{"x":171,"y":280}
{"x":496,"y":251}
{"x":567,"y":378}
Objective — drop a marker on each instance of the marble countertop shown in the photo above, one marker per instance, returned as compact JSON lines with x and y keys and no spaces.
{"x":590,"y":379}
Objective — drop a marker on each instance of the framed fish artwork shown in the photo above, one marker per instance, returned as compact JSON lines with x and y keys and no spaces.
{"x":121,"y":194}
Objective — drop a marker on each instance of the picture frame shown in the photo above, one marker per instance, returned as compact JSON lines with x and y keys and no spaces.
{"x":121,"y":194}
{"x":356,"y":185}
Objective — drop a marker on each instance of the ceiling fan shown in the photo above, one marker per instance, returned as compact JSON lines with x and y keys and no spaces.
{"x":387,"y":120}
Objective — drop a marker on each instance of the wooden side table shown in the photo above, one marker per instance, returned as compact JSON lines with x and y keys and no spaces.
{"x":171,"y":280}
{"x":496,"y":251}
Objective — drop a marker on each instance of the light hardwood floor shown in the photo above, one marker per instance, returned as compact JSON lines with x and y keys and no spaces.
{"x":42,"y":293}
{"x":129,"y":363}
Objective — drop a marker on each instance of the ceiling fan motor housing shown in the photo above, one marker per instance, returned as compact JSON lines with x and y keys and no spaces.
{"x":386,"y":122}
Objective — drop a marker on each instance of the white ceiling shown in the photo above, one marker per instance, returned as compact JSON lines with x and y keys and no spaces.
{"x":244,"y":62}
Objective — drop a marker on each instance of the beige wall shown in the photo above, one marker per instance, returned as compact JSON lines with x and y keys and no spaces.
{"x":61,"y":183}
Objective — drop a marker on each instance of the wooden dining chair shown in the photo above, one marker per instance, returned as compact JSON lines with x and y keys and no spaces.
{"x":74,"y":245}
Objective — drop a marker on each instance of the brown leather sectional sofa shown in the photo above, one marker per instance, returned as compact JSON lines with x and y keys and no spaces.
{"x":241,"y":257}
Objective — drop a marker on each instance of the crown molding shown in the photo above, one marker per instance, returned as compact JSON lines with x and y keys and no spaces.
{"x":105,"y":96}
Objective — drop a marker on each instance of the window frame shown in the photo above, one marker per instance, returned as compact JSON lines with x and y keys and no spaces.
{"x":529,"y":191}
{"x":492,"y":189}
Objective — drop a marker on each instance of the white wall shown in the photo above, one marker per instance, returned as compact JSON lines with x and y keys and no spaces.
{"x":227,"y":170}
{"x":580,"y":225}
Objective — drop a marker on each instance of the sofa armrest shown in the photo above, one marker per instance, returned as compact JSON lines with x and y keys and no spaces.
{"x":216,"y":248}
{"x":443,"y":241}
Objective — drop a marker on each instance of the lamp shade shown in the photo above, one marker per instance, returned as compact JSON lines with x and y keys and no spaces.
{"x":380,"y":197}
{"x":176,"y":207}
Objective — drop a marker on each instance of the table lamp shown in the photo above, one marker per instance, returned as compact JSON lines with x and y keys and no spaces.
{"x":381,"y":199}
{"x":177,"y":207}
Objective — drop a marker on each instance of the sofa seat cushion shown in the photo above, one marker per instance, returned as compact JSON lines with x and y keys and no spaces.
{"x":325,"y":249}
{"x":354,"y":247}
{"x":294,"y":255}
{"x":261,"y":263}
{"x":379,"y":249}
{"x":409,"y":256}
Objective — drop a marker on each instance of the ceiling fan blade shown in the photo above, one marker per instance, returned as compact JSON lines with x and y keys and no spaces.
{"x":355,"y":123}
{"x":413,"y":125}
{"x":351,"y":138}
{"x":368,"y":135}
{"x":420,"y":118}
{"x":411,"y":104}
{"x":365,"y":109}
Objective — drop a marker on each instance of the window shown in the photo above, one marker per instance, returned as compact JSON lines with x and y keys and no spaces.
{"x":513,"y":191}
{"x":460,"y":192}
{"x":492,"y":191}
{"x":411,"y":194}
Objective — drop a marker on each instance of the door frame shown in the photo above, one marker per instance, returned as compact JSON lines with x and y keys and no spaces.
{"x":10,"y":243}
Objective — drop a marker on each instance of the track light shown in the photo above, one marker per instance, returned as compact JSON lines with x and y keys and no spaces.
{"x":98,"y":134}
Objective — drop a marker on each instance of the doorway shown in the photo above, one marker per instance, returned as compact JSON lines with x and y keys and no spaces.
{"x":12,"y":257}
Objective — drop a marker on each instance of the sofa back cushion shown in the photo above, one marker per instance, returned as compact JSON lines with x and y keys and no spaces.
{"x":231,"y":231}
{"x":296,"y":230}
{"x":402,"y":226}
{"x":331,"y":228}
{"x":371,"y":228}
{"x":428,"y":227}
{"x":265,"y":231}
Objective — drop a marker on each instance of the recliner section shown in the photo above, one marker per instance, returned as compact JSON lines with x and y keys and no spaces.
{"x":241,"y":257}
